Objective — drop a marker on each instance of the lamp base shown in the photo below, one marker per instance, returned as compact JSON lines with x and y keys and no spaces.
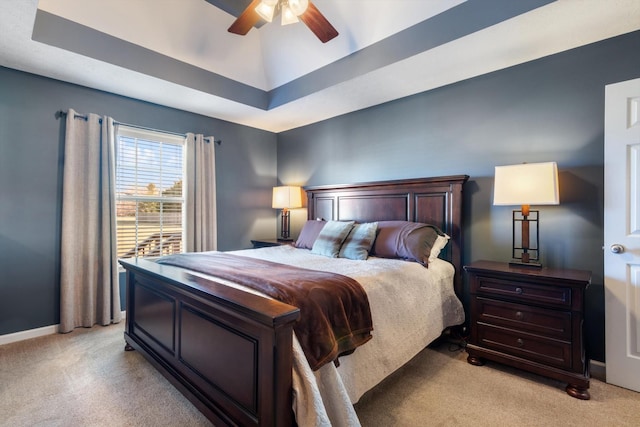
{"x":284,"y":225}
{"x":516,"y":263}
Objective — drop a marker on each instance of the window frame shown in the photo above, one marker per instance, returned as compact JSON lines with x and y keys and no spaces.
{"x":149,"y":135}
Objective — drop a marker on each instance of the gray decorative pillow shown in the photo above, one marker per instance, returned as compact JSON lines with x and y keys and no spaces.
{"x":309,"y":233}
{"x":406,"y":240}
{"x":359,"y":241}
{"x":331,"y":237}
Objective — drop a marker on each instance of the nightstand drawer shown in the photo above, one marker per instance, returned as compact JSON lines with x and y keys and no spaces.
{"x":536,"y":320}
{"x":531,"y":347}
{"x":556,"y":296}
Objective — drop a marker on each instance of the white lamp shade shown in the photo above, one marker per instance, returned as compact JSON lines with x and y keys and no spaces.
{"x":265,"y":10}
{"x":288,"y":17}
{"x":286,"y":197}
{"x":298,"y":7}
{"x":526,"y":184}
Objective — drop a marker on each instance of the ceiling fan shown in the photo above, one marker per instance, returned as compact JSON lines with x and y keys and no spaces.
{"x":291,"y":10}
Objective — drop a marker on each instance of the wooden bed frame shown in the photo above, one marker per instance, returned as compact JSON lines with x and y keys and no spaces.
{"x":230,"y":352}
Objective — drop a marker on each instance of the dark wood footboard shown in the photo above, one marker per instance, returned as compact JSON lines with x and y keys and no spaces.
{"x":229,"y":352}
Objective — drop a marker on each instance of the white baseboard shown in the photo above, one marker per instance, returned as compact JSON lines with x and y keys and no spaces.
{"x":28,"y":334}
{"x":34,"y":333}
{"x":598,"y":370}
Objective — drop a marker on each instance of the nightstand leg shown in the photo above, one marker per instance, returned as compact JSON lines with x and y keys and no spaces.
{"x":475,"y":360}
{"x":578,"y":392}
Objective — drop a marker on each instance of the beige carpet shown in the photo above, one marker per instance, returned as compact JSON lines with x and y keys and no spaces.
{"x":439,"y":388}
{"x":86,"y":379}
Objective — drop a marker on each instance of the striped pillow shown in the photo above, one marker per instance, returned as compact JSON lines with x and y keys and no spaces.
{"x":359,"y":241}
{"x":331,"y":237}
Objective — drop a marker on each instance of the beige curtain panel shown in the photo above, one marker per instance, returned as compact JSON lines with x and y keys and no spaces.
{"x":89,"y":290}
{"x":200,"y":227}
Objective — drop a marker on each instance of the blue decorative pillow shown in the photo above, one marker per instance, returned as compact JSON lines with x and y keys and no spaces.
{"x":359,"y":241}
{"x":331,"y":237}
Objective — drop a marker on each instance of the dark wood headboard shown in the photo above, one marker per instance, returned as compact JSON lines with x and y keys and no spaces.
{"x":436,"y":200}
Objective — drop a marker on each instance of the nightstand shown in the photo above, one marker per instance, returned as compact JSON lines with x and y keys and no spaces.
{"x":264,"y":243}
{"x":530,"y":318}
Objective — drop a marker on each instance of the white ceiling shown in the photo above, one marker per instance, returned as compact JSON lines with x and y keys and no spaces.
{"x":277,"y":78}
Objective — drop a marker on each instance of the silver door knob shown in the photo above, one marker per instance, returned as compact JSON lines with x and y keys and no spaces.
{"x":617,"y":249}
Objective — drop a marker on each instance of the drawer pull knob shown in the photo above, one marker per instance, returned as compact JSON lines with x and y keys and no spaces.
{"x":520,"y":342}
{"x":519,"y":315}
{"x":518,"y":291}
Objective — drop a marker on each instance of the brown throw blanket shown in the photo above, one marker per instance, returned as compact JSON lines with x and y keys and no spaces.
{"x":334,"y":309}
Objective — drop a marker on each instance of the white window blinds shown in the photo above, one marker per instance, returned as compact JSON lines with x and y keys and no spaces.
{"x":149,"y":192}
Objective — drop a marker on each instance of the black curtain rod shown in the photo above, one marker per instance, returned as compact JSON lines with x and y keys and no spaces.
{"x":61,"y":113}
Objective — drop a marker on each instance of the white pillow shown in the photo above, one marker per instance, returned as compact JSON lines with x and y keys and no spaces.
{"x":438,"y":246}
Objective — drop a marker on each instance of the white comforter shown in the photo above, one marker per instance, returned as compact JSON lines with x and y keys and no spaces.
{"x":410,"y":306}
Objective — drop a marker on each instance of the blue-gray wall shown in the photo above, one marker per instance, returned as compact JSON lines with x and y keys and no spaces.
{"x":551,"y":109}
{"x":30,"y":184}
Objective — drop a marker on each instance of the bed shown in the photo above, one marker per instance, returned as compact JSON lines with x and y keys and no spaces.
{"x":233,"y":352}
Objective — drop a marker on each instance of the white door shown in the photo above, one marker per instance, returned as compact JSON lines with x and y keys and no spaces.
{"x":622,"y":233}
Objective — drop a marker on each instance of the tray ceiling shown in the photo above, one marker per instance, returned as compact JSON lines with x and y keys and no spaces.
{"x":178,"y":53}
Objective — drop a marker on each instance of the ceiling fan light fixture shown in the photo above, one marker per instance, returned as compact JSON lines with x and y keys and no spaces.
{"x":298,"y":7}
{"x":288,"y":17}
{"x":266,"y":10}
{"x":291,"y":10}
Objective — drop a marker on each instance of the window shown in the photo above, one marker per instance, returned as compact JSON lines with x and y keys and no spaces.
{"x":149,"y":196}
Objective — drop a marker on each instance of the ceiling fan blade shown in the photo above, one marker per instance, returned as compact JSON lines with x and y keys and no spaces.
{"x":318,"y":24}
{"x":247,"y":19}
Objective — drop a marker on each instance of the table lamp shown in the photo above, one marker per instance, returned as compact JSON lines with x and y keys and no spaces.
{"x":285,"y":198}
{"x":526,"y":184}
